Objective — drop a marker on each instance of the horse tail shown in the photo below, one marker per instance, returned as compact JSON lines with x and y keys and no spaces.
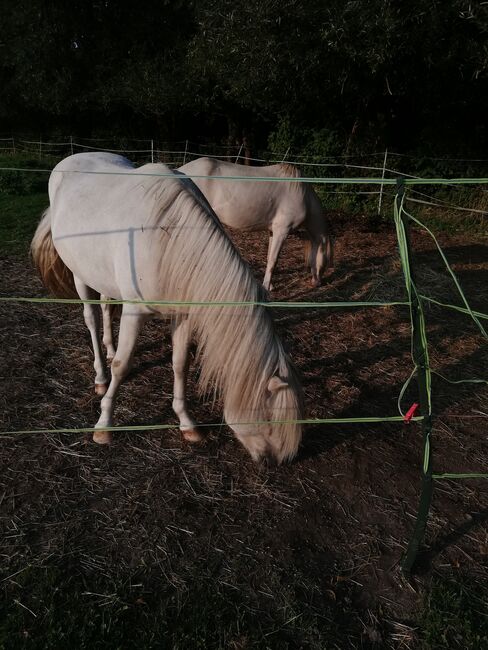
{"x":55,"y":275}
{"x":307,"y":253}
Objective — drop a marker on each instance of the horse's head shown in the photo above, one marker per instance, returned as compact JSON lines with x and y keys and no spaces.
{"x":319,"y":249}
{"x":275,"y":436}
{"x":319,"y":257}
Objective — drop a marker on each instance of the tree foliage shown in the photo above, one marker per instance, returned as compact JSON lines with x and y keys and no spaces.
{"x":412,"y":74}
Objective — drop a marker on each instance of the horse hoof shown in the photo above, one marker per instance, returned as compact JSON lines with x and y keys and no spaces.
{"x":192,"y":435}
{"x":101,"y":389}
{"x":102,"y":437}
{"x":315,"y":283}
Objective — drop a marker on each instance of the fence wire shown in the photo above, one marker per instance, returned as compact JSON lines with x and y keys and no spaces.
{"x":419,"y":341}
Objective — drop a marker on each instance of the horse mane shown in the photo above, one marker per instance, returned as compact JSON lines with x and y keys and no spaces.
{"x":237,"y":346}
{"x":287,"y":170}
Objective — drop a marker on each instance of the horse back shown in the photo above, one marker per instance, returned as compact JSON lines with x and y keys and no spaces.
{"x":243,"y":204}
{"x":103,"y":223}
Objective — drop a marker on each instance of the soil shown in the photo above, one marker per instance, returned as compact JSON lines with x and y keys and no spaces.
{"x":332,"y":525}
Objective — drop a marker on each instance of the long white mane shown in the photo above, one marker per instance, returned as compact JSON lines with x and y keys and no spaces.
{"x":238,"y":348}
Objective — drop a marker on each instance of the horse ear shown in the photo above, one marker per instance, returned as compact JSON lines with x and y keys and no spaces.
{"x":275,"y":384}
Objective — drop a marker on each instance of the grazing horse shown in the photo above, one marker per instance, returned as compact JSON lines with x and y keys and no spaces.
{"x":137,"y":236}
{"x":278,"y":206}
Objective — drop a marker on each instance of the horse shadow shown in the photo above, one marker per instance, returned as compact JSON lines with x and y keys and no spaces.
{"x":426,"y":556}
{"x":472,"y":254}
{"x":445,"y":395}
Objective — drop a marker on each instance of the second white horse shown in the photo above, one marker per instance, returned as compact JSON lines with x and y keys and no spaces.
{"x":277,"y":206}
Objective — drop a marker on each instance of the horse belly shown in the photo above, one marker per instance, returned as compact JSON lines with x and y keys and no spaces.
{"x":92,"y":244}
{"x":240,"y":210}
{"x":89,"y":260}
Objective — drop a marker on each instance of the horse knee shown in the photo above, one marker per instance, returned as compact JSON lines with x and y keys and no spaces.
{"x":91,"y":320}
{"x":109,"y":344}
{"x":180,"y":364}
{"x":120,"y":367}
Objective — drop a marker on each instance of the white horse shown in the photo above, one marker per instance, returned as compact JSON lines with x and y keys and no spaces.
{"x":110,"y":230}
{"x":278,"y":206}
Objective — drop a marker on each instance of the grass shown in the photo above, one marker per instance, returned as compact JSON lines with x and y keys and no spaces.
{"x":19,"y":216}
{"x":198,"y":604}
{"x":23,"y":197}
{"x":452,"y":222}
{"x":54,"y":608}
{"x":455,"y":615}
{"x":443,"y":217}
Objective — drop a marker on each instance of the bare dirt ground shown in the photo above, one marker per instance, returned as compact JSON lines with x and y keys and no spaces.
{"x":323,"y":535}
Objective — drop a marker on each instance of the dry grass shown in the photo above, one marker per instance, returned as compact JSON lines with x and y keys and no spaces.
{"x":300,"y":556}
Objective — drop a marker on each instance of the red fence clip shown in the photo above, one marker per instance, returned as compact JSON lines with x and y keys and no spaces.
{"x":410,"y":413}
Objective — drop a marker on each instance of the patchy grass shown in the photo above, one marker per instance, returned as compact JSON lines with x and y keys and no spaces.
{"x":154,"y":544}
{"x":441,"y":218}
{"x":23,"y":197}
{"x":23,"y":175}
{"x":61,"y":608}
{"x":455,"y":615}
{"x":452,"y":222}
{"x":19,"y":216}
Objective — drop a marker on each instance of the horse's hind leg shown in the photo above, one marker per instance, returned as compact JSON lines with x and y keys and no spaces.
{"x":108,"y":337}
{"x":181,"y":344}
{"x":130,"y":325}
{"x":92,"y":320}
{"x":275,"y":244}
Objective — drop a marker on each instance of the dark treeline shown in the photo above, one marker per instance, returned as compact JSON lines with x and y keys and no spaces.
{"x":331,"y":76}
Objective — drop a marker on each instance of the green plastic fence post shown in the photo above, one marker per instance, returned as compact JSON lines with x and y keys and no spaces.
{"x":421,"y":359}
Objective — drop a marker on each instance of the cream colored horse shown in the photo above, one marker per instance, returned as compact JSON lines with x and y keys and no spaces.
{"x":278,"y":206}
{"x":110,"y":230}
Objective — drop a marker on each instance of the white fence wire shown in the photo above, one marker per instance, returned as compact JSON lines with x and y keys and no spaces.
{"x":177,"y":153}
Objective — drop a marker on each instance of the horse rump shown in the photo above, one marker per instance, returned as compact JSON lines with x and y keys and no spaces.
{"x":55,"y":275}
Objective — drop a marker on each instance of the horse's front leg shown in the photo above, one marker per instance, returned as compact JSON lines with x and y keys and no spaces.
{"x":181,"y":345}
{"x":92,"y":321}
{"x":130,"y":325}
{"x":315,"y":260}
{"x":275,"y":244}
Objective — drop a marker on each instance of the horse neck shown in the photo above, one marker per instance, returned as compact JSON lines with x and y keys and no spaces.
{"x":237,"y":345}
{"x":315,"y":221}
{"x":239,"y":352}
